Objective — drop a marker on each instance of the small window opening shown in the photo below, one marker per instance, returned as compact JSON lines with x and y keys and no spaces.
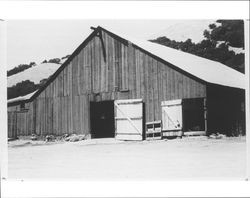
{"x":22,"y":106}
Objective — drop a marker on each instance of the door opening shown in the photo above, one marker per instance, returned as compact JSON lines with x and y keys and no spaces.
{"x":102,"y":119}
{"x":193,"y":114}
{"x":183,"y":117}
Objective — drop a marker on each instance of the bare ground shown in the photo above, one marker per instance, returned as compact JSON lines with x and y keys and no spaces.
{"x":108,"y":159}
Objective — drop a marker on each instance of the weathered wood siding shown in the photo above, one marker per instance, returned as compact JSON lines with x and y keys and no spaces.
{"x":20,"y":122}
{"x":12,"y":124}
{"x":128,"y":73}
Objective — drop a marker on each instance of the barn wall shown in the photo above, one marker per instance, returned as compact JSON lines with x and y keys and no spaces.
{"x":12,"y":124}
{"x":14,"y":108}
{"x":128,"y":73}
{"x":20,"y":122}
{"x":226,"y":111}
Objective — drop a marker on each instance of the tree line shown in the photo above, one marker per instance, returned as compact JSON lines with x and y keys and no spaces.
{"x":20,"y":68}
{"x":216,"y":44}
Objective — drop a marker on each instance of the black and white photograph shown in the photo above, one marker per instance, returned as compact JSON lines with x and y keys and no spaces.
{"x":126,"y":99}
{"x":134,"y":100}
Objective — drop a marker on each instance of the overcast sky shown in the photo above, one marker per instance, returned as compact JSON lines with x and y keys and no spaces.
{"x":36,"y":40}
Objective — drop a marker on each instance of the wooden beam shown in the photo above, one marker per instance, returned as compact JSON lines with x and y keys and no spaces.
{"x":205,"y":114}
{"x":99,"y":34}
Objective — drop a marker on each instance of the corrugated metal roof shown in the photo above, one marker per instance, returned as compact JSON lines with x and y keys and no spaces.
{"x":205,"y":69}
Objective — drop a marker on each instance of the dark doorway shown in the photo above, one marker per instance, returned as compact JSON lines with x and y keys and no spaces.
{"x":193,"y":114}
{"x":102,"y":119}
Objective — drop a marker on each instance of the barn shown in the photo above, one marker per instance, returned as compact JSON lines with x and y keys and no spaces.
{"x":112,"y":85}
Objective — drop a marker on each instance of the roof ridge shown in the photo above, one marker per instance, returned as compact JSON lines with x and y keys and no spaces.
{"x":201,"y":72}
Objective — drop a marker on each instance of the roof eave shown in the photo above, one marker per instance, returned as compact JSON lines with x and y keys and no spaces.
{"x":124,"y":41}
{"x":14,"y":103}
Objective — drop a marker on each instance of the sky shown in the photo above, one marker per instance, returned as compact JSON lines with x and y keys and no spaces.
{"x":36,"y":40}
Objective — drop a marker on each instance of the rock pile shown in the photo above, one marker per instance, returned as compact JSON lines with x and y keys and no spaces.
{"x":216,"y":136}
{"x":50,"y":138}
{"x":33,"y":137}
{"x":75,"y":138}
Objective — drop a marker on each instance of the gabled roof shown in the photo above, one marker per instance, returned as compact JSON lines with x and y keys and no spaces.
{"x":200,"y":68}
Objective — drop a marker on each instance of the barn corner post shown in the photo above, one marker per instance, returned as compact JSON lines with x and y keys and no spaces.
{"x":205,"y":115}
{"x":143,"y":121}
{"x":182,"y":115}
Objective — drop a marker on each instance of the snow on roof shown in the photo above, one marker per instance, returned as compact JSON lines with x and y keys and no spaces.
{"x":21,"y":98}
{"x":205,"y":69}
{"x":34,"y":74}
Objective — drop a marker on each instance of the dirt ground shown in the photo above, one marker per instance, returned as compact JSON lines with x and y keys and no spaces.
{"x":109,"y":159}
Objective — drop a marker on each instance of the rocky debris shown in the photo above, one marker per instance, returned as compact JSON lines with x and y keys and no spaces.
{"x":33,"y":137}
{"x":75,"y":138}
{"x":65,"y":136}
{"x":216,"y":136}
{"x":50,"y":138}
{"x":62,"y":137}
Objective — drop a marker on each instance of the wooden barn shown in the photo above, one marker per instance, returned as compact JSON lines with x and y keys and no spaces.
{"x":112,"y":85}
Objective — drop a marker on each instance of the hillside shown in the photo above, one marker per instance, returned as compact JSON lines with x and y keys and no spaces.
{"x":223,"y":41}
{"x":183,"y":30}
{"x":190,"y":29}
{"x":31,"y":79}
{"x":34,"y":74}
